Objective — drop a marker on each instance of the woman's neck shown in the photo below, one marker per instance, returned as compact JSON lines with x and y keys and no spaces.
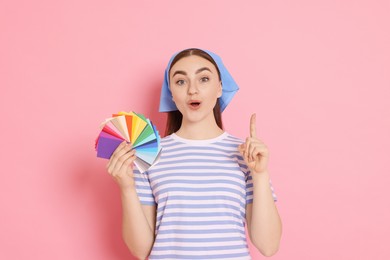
{"x":199,"y":130}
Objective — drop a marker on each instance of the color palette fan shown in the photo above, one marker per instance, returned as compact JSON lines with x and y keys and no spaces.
{"x":135,"y":129}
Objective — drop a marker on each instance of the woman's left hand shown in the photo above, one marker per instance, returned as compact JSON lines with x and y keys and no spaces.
{"x":254,"y":151}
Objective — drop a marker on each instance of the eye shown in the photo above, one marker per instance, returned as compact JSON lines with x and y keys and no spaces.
{"x":204,"y":79}
{"x":180,"y":82}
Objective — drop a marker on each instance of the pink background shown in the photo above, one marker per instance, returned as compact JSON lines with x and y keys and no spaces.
{"x":315,"y":72}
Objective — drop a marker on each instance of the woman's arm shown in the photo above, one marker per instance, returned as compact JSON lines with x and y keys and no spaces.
{"x":138,"y":221}
{"x":263,"y":220}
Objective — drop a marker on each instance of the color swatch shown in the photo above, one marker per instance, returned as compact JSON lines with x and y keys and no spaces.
{"x":135,"y":129}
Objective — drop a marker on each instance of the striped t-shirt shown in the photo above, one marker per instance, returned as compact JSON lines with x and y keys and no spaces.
{"x":200,"y":188}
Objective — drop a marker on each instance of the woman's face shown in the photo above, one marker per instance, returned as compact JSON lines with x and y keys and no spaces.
{"x":195,"y":87}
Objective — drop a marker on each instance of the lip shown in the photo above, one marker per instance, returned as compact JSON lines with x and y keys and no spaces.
{"x":194,"y":107}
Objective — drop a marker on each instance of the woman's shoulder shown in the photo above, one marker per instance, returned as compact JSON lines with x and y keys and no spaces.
{"x":166,"y":139}
{"x":233,"y":139}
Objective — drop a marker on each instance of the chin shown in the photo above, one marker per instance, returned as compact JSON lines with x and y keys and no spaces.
{"x":199,"y":117}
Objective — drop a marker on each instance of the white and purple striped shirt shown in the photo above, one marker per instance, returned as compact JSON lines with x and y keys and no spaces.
{"x":200,"y":188}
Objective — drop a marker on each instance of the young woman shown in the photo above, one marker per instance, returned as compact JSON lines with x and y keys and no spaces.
{"x":195,"y":202}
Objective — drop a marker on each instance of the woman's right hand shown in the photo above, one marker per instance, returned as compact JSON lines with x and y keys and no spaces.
{"x":120,"y":166}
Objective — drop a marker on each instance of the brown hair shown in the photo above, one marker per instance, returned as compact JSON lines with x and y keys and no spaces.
{"x":175,"y":117}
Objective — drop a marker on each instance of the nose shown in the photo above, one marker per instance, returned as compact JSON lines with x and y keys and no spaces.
{"x":192,"y":89}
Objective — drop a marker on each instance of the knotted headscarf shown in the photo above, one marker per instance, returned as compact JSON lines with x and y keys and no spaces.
{"x":229,"y":86}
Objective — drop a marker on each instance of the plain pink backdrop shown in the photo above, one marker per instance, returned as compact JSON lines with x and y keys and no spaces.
{"x":317,"y":73}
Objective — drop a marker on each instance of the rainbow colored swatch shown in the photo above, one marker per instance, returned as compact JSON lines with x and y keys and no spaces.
{"x":135,"y":129}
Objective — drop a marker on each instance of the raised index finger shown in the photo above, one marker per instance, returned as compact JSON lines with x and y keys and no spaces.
{"x":252,"y":127}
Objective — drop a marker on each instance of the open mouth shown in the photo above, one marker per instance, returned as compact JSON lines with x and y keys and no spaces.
{"x":194,"y":104}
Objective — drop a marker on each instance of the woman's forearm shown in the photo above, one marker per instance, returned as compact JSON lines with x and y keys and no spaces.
{"x":137,"y":225}
{"x":266,"y":227}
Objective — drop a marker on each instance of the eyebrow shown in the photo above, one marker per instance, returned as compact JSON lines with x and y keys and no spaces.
{"x":196,"y":72}
{"x":202,"y":69}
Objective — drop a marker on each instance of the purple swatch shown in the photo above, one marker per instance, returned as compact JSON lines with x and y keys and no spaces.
{"x":106,"y":145}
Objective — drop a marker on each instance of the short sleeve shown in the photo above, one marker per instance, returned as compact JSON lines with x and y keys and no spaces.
{"x":249,"y":189}
{"x":249,"y":183}
{"x":143,"y":188}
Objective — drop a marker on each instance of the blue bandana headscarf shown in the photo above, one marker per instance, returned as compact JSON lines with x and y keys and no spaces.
{"x":229,"y":86}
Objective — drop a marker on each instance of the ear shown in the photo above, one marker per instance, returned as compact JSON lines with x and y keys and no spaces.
{"x":220,"y":89}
